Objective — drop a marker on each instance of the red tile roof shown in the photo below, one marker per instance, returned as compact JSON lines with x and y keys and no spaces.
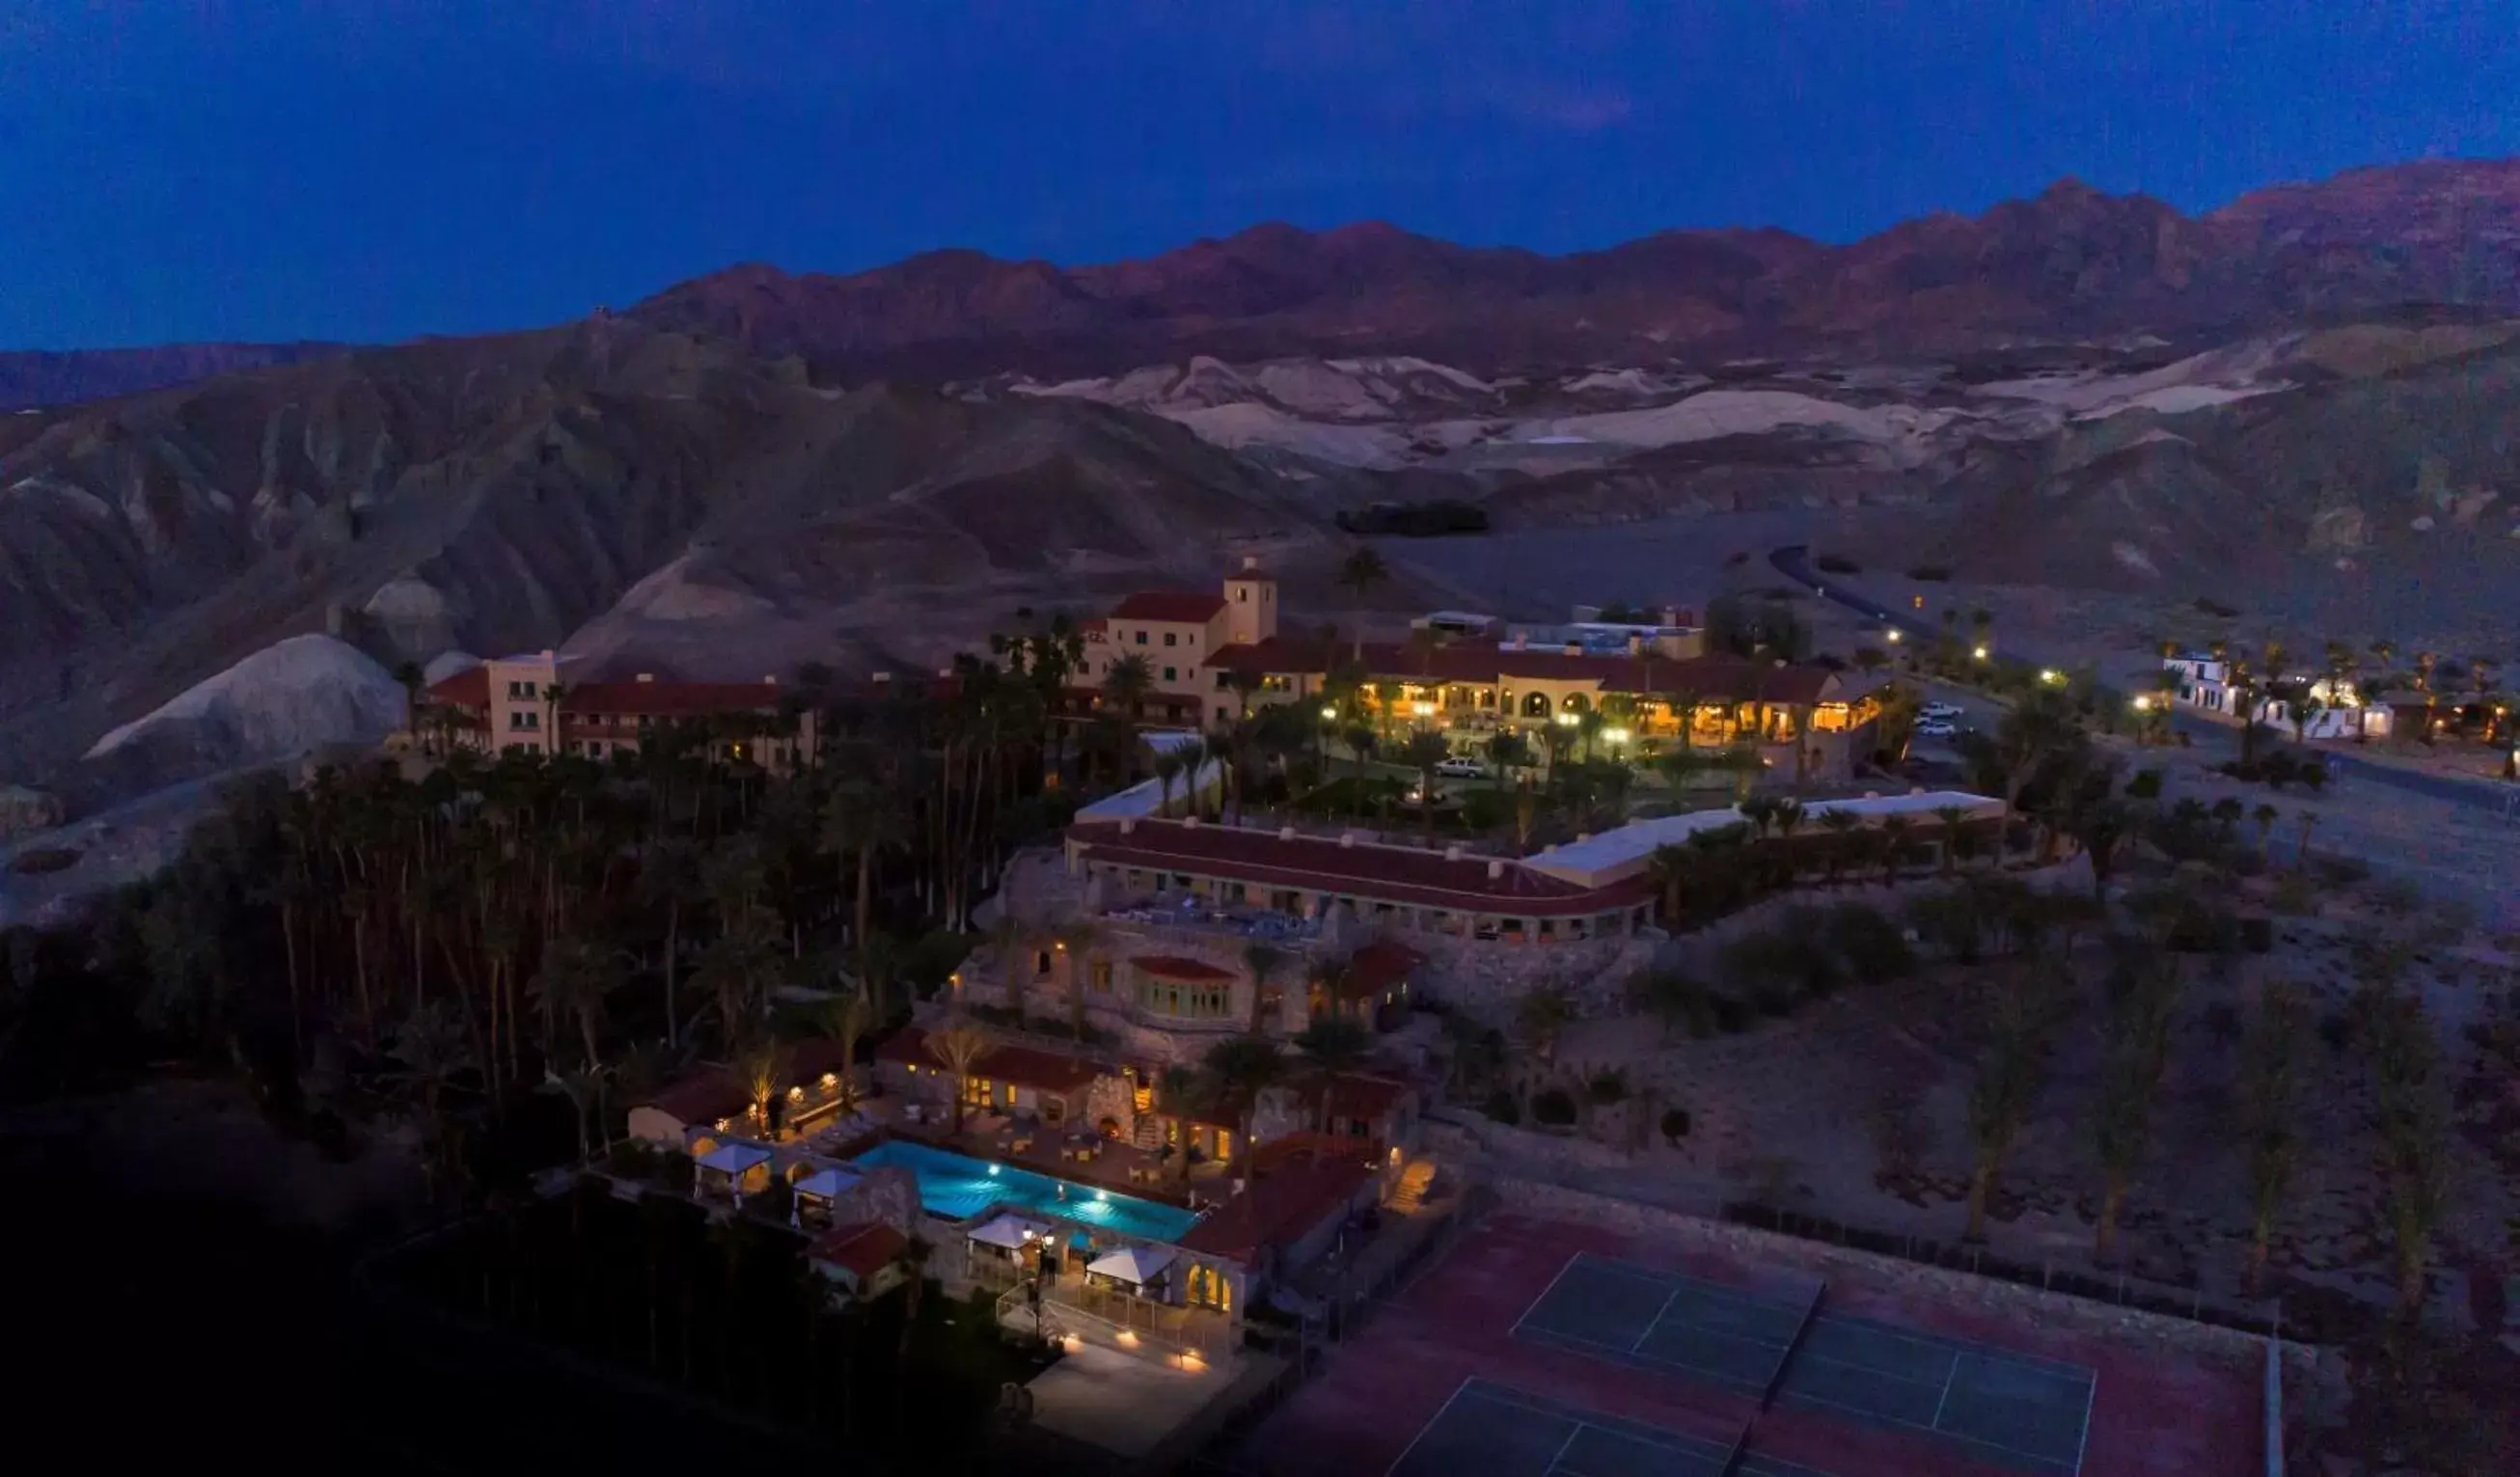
{"x":1715,"y":678}
{"x":864,"y":1247}
{"x":1382,"y":873}
{"x":1024,"y":1066}
{"x":1181,"y":606}
{"x":1355,"y":1095}
{"x":1289,"y":1194}
{"x":1175,"y":967}
{"x":1377,"y":968}
{"x":469,"y":689}
{"x":712,"y":1092}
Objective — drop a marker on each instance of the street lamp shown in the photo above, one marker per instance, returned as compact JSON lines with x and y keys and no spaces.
{"x":2051,"y":676}
{"x":1891,"y":636}
{"x":1422,"y":710}
{"x":1979,"y":653}
{"x":2142,"y":703}
{"x":1330,"y":713}
{"x":1614,"y":735}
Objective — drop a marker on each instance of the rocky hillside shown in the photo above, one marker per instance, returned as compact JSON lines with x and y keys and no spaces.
{"x":2070,"y":264}
{"x":511,"y":492}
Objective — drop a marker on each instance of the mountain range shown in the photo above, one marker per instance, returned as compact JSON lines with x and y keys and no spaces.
{"x":757,"y":468}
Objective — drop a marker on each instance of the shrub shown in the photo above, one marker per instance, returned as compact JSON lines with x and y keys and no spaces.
{"x":2145,"y":785}
{"x":632,"y":1159}
{"x":1930,"y":573}
{"x":1732,"y":1017}
{"x":2338,"y":1028}
{"x":1501,"y":1107}
{"x":1872,"y":947}
{"x":1675,"y":1125}
{"x":1553,"y":1108}
{"x":38,"y":861}
{"x":677,"y":1173}
{"x":1838,"y":564}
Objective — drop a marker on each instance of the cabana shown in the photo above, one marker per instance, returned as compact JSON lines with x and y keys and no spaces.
{"x":1138,"y":1270}
{"x":741,"y":1163}
{"x":823,"y":1185}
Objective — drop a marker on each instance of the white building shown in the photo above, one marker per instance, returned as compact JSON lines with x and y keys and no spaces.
{"x":2336,"y":708}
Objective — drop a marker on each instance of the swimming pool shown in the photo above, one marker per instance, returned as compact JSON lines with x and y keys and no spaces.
{"x":958,"y":1187}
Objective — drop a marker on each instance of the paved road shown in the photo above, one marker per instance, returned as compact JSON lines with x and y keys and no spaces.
{"x":1794,"y":561}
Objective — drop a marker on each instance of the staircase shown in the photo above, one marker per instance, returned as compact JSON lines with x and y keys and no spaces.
{"x":1150,"y":1133}
{"x":1411,"y":1193}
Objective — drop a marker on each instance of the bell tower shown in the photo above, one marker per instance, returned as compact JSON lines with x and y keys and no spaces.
{"x":1250,"y":603}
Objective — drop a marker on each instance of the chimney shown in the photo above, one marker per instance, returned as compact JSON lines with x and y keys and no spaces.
{"x":1347,"y":838}
{"x":1285,"y":832}
{"x":879,"y":677}
{"x":646,"y":676}
{"x":1250,"y":562}
{"x":769,"y":681}
{"x":1496,"y":868}
{"x":1453,"y":853}
{"x":1128,"y":825}
{"x":1574,"y":648}
{"x":1189,"y":823}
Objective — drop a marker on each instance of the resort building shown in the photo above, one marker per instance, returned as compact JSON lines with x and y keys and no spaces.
{"x":1211,"y":658}
{"x":529,"y":703}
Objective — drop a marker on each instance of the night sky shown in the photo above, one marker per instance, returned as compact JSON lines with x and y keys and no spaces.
{"x":372,"y":169}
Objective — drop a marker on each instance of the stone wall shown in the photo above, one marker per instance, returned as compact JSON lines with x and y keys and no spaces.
{"x":1487,"y":980}
{"x":1112,"y":1098}
{"x":1695,"y":950}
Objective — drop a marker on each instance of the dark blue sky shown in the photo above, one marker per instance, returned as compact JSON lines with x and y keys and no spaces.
{"x":372,"y":169}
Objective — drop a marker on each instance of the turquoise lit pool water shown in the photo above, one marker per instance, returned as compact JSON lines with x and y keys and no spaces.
{"x":958,"y":1187}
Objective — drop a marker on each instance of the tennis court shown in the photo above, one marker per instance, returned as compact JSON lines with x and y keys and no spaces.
{"x":1492,"y":1430}
{"x":2004,"y":1409}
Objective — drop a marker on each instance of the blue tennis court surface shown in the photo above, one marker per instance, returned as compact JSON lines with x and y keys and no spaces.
{"x":1995,"y":1405}
{"x":1493,"y":1430}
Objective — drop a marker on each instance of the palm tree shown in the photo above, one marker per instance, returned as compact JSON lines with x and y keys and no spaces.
{"x":1128,"y":683}
{"x":1952,"y":817}
{"x":761,"y":1070}
{"x":1669,"y":996}
{"x":2145,"y":1002}
{"x":1508,"y":750}
{"x":1243,"y":1067}
{"x":2265,"y":816}
{"x":1074,"y":937}
{"x":846,"y":1020}
{"x":1543,"y":1015}
{"x":575,"y":977}
{"x":1894,"y":847}
{"x":2012,"y":1072}
{"x":2270,"y":1109}
{"x":2413,"y":1113}
{"x":1178,"y":1094}
{"x":1168,"y":768}
{"x":1422,"y":753}
{"x":1262,"y":962}
{"x":1010,"y":939}
{"x":584,"y":1090}
{"x":2308,"y":820}
{"x":1359,"y":743}
{"x":1363,"y":572}
{"x":958,"y":1046}
{"x":415,"y":702}
{"x":1841,"y":824}
{"x":1331,"y":1045}
{"x":1674,"y":868}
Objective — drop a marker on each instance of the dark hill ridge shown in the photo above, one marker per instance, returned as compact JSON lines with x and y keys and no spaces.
{"x":2072,"y":262}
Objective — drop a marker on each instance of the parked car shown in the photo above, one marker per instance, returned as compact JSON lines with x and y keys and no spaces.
{"x":1935,"y":728}
{"x":1943,"y":710}
{"x":1462,"y":766}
